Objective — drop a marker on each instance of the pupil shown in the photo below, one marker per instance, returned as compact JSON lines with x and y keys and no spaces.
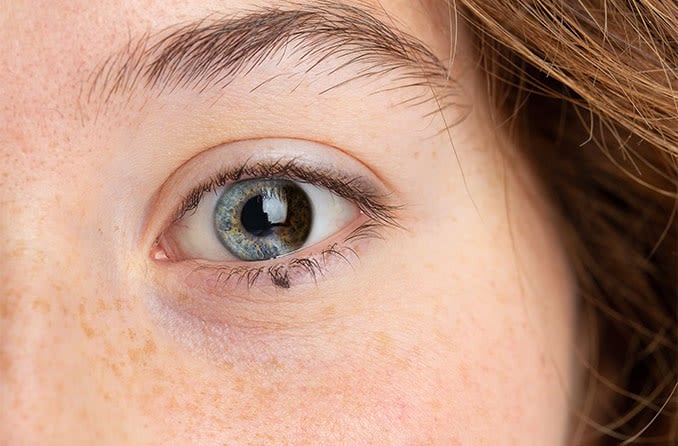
{"x":255,"y":220}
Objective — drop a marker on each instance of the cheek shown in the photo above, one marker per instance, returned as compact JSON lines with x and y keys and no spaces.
{"x":449,"y":369}
{"x":374,"y":395}
{"x":495,"y":303}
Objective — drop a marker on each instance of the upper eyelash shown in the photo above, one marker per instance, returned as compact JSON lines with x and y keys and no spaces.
{"x":371,"y":204}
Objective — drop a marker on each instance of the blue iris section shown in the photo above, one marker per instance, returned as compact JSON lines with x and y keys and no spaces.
{"x":261,"y":219}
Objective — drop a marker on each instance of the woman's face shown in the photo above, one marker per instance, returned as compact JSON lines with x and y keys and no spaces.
{"x":227,"y":224}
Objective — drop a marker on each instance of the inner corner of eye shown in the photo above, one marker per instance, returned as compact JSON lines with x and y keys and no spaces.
{"x":257,"y":219}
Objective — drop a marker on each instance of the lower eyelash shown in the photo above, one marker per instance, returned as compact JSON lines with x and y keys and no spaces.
{"x":281,"y":275}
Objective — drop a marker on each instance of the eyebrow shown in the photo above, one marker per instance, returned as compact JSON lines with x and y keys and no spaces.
{"x":214,"y":51}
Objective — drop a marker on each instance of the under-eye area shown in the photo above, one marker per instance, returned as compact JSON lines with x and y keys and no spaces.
{"x":276,"y":213}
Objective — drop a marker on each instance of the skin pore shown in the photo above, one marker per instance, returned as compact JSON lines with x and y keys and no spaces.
{"x":453,"y":324}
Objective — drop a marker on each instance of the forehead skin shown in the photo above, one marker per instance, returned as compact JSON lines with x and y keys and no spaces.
{"x":456,"y":330}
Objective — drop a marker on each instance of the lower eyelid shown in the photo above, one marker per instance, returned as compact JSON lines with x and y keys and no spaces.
{"x":246,"y":311}
{"x":284,"y":274}
{"x":308,"y":266}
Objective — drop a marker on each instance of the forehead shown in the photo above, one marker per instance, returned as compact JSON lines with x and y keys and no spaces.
{"x":53,"y":48}
{"x":80,"y":33}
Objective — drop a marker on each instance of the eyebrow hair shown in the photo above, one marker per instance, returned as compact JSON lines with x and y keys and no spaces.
{"x":213,"y":51}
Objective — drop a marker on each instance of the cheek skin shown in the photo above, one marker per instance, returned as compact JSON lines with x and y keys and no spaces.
{"x":63,"y":358}
{"x":302,"y":405}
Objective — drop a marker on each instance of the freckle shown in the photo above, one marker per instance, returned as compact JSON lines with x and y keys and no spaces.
{"x":89,"y":332}
{"x":131,"y":334}
{"x":182,"y":297}
{"x":436,"y":405}
{"x":150,"y":347}
{"x":41,"y":305}
{"x":434,"y":154}
{"x":239,"y":385}
{"x":463,"y":374}
{"x":401,"y":364}
{"x":102,"y":306}
{"x":134,"y":355}
{"x":384,"y":343}
{"x":108,"y":349}
{"x":329,"y":310}
{"x":116,"y":370}
{"x":138,"y":355}
{"x":159,"y":374}
{"x":416,"y":155}
{"x":5,"y":364}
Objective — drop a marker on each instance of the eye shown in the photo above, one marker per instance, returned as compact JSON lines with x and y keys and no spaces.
{"x":258,"y":219}
{"x":264,"y":212}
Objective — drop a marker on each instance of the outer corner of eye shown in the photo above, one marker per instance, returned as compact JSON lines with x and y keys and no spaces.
{"x":256,"y":219}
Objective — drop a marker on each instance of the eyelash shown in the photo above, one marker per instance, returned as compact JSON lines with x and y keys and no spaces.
{"x":374,"y":206}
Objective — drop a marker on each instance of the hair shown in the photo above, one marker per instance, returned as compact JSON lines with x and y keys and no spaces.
{"x":589,"y":90}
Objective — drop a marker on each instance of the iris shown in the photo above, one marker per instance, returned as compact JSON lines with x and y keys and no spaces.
{"x":262,"y":219}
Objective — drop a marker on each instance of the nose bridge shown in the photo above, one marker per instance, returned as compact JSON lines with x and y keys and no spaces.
{"x":47,"y":383}
{"x":43,"y":377}
{"x":57,"y":360}
{"x":34,"y":321}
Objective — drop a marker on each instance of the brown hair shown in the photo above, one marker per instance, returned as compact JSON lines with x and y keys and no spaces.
{"x":589,"y":88}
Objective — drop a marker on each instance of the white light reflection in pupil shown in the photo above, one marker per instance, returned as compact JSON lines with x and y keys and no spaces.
{"x":263,"y":213}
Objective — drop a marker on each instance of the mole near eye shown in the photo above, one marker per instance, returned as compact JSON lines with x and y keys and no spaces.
{"x":262,"y":219}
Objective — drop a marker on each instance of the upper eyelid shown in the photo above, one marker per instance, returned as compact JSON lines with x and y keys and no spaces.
{"x":216,"y":49}
{"x":370,"y":201}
